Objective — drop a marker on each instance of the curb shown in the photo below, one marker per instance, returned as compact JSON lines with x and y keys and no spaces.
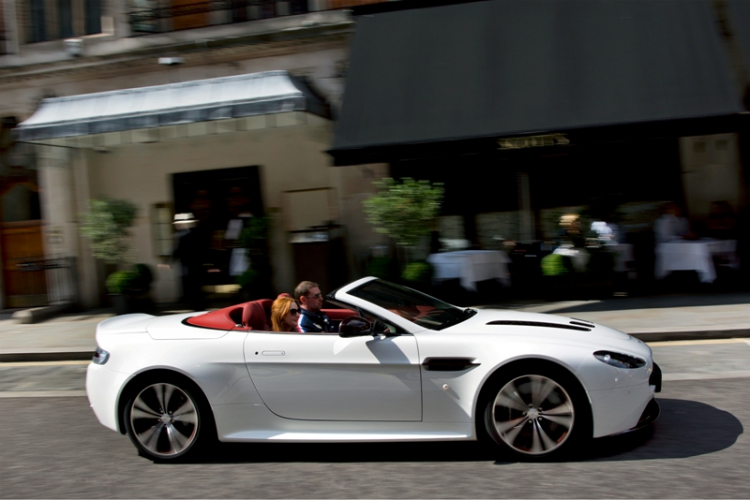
{"x":39,"y":314}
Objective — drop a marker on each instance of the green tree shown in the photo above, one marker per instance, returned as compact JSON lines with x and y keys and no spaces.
{"x":107,"y":227}
{"x":404,"y":210}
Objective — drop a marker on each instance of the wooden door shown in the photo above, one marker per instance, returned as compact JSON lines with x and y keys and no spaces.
{"x":24,"y":282}
{"x":189,"y":14}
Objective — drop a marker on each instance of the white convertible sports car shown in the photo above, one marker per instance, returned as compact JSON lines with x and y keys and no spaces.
{"x":403,"y":367}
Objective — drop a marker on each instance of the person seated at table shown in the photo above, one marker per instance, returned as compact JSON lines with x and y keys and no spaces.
{"x":721,"y":221}
{"x":570,"y":232}
{"x":672,"y":225}
{"x":284,"y":314}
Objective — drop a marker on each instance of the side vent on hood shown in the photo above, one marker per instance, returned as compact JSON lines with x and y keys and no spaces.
{"x":582,"y":322}
{"x":542,"y":324}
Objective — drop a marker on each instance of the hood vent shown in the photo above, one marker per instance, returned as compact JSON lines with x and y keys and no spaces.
{"x":587,"y":328}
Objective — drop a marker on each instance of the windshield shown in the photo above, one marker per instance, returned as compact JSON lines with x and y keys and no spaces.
{"x":415,"y":306}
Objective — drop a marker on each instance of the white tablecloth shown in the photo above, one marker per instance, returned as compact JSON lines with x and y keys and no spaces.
{"x":696,"y":256}
{"x":623,"y":253}
{"x":471,"y":266}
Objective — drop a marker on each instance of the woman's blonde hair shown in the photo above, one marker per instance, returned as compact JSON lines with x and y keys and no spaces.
{"x":279,"y":310}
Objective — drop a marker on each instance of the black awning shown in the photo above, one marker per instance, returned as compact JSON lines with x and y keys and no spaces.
{"x":462,"y":75}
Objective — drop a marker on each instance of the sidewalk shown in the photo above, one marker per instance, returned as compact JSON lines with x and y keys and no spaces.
{"x":658,"y":318}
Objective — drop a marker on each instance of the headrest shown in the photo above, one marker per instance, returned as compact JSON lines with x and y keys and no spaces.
{"x":254,"y":316}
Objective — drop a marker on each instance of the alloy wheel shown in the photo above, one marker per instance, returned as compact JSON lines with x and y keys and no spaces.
{"x":532,"y":414}
{"x":164,"y":420}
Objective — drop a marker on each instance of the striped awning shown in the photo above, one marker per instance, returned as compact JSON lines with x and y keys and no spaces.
{"x":211,"y":100}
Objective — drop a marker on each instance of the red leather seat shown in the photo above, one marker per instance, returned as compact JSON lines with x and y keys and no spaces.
{"x":254,"y":316}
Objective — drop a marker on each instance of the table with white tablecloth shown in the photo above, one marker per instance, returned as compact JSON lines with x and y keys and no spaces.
{"x":622,"y":252}
{"x":694,"y":255}
{"x":471,"y":266}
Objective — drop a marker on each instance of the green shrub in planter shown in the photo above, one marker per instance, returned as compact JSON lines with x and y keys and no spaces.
{"x":121,"y":282}
{"x":144,"y":277}
{"x":381,"y":267}
{"x":556,"y":265}
{"x":418,"y":272}
{"x":134,"y":281}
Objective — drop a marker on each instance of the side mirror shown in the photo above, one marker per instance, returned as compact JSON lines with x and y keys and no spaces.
{"x":355,"y":326}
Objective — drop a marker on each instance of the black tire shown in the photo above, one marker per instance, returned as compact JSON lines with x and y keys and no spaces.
{"x":538,"y":412}
{"x":167,"y":419}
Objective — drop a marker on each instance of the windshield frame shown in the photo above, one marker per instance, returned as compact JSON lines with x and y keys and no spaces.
{"x":405,"y":306}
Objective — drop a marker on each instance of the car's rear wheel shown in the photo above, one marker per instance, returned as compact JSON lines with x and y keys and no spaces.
{"x":538,"y":414}
{"x":164,"y":419}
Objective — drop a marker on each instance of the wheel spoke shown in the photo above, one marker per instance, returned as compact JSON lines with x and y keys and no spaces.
{"x":139,"y":413}
{"x":144,"y":411}
{"x":563,"y":409}
{"x":188,"y":417}
{"x":536,"y":445}
{"x":565,"y":421}
{"x":511,"y":399}
{"x":168,"y":390}
{"x":150,"y":437}
{"x":548,"y":443}
{"x":541,"y":387}
{"x":503,"y":427}
{"x":510,"y":436}
{"x":177,"y":440}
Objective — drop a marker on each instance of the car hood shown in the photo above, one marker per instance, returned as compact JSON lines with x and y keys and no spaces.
{"x":546,"y":327}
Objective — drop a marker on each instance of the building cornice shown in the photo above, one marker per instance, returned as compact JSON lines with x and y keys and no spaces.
{"x":195,"y":51}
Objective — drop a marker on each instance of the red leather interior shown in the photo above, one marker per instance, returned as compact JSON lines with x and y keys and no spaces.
{"x":254,"y":315}
{"x":339,"y":314}
{"x":251,"y":315}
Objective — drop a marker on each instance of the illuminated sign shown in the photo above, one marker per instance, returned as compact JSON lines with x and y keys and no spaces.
{"x":533,"y":141}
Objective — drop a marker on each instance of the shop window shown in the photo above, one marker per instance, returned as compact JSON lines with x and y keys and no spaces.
{"x":65,"y":18}
{"x":37,"y":31}
{"x":162,"y":229}
{"x":93,"y":17}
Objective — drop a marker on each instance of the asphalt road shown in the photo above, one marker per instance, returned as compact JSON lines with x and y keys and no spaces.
{"x":53,"y":447}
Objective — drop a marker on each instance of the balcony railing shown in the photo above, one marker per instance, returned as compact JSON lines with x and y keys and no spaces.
{"x":212,"y":12}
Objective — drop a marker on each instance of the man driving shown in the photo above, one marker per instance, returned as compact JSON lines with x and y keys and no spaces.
{"x":312,"y":319}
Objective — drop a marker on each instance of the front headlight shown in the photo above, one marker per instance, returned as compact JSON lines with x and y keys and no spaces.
{"x":100,"y":356}
{"x":619,"y":360}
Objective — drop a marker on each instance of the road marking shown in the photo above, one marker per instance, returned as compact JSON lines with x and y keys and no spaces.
{"x":698,"y":342}
{"x":706,"y":376}
{"x":41,"y":394}
{"x":44,"y":363}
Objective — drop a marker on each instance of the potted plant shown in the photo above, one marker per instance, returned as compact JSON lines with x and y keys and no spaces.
{"x":107,"y":227}
{"x":406,"y":211}
{"x":255,"y":280}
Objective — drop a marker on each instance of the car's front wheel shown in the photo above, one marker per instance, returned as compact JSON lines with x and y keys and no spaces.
{"x":164,"y":419}
{"x":538,"y":414}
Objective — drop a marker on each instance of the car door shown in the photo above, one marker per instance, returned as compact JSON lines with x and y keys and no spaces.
{"x":327,"y":377}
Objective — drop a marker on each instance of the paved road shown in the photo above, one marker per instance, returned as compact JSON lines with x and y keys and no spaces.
{"x":54,"y":447}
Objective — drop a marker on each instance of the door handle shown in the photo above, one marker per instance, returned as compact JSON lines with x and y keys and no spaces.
{"x":273,"y":353}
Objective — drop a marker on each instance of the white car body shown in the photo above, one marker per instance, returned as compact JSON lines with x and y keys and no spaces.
{"x":295,"y":387}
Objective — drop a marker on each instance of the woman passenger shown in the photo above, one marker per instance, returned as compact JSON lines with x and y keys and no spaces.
{"x":284,"y":315}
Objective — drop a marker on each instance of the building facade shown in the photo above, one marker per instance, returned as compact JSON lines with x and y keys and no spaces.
{"x":63,"y":56}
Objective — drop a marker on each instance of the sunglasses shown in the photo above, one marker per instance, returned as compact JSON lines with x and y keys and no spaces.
{"x":293,"y":311}
{"x":316,"y":296}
